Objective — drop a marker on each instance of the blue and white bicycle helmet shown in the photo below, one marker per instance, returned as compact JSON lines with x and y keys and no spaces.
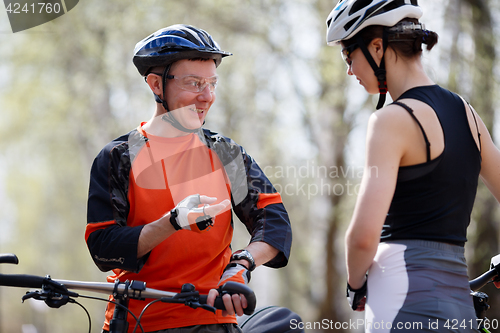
{"x":173,"y":43}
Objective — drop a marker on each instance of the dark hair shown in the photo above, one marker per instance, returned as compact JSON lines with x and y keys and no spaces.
{"x":407,"y":45}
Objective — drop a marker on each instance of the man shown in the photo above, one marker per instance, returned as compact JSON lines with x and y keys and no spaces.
{"x":159,"y":198}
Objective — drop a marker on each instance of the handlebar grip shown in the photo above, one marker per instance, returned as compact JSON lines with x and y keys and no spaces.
{"x":218,"y":304}
{"x":21,"y":280}
{"x":234,"y":288}
{"x":8,"y":258}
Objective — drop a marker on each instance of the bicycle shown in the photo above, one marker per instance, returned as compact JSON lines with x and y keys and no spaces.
{"x":481,"y":298}
{"x":56,"y":293}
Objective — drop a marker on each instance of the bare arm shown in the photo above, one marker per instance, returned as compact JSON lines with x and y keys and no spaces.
{"x":153,"y":234}
{"x":490,"y":155}
{"x":377,"y":189}
{"x":261,"y":253}
{"x":490,"y":164}
{"x":156,"y":232}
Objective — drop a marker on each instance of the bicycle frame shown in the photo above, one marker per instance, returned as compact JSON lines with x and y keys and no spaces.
{"x":56,"y":293}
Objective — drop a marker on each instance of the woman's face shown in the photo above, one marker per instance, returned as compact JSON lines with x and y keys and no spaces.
{"x":358,"y":66}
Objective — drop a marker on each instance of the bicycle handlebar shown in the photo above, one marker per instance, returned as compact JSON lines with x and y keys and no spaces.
{"x":492,"y":275}
{"x":134,"y":289}
{"x":108,"y":288}
{"x":8,"y":258}
{"x":22,"y":280}
{"x":484,"y":279}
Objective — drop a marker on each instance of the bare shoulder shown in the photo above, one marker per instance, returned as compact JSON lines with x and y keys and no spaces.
{"x":386,"y":130}
{"x":399,"y":129}
{"x":391,"y":117}
{"x":476,"y":124}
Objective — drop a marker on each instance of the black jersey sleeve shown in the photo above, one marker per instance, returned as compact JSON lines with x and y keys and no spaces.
{"x":255,"y":200}
{"x":112,"y":244}
{"x":263,"y":213}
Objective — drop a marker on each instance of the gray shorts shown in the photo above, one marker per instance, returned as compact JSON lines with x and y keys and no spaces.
{"x":422,"y":286}
{"x":212,"y":328}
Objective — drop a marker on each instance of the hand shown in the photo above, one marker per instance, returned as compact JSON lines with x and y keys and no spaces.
{"x":361,"y":305}
{"x":189,"y":216}
{"x":357,"y":297}
{"x":234,"y":303}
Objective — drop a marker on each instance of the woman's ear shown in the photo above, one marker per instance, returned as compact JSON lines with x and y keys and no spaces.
{"x":155,"y":84}
{"x":376,"y":48}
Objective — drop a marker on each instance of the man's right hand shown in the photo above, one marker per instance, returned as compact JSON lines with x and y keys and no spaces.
{"x":188,"y":214}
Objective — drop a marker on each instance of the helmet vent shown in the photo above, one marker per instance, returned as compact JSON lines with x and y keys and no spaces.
{"x":372,"y":10}
{"x":336,"y":17}
{"x":359,"y":5}
{"x":351,"y":22}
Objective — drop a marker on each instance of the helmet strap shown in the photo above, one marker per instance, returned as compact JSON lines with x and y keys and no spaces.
{"x":379,"y":71}
{"x":168,"y":116}
{"x":164,"y":83}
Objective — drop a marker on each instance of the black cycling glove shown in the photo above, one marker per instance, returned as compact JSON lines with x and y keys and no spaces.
{"x":355,"y":296}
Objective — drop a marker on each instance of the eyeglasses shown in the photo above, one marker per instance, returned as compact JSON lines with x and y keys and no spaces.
{"x":347,"y":51}
{"x":193,"y":83}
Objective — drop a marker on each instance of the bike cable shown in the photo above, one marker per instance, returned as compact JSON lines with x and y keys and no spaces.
{"x":122,"y":306}
{"x":138,"y":320}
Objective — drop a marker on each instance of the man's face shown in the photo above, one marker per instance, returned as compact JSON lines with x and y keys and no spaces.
{"x":191,"y":107}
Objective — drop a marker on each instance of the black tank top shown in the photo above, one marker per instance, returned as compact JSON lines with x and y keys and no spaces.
{"x":433,"y":200}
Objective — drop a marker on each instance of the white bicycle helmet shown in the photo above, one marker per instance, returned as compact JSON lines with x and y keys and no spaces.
{"x":350,"y":16}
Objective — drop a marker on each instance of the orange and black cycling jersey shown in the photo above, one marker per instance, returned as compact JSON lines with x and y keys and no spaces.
{"x":138,"y":178}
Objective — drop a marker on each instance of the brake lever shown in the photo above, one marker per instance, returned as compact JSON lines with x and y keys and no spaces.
{"x":32,"y":294}
{"x":189,"y":297}
{"x":53,"y":293}
{"x":196,"y":304}
{"x":207,"y":307}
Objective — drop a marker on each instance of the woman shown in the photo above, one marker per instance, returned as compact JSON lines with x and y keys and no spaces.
{"x":425,"y":153}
